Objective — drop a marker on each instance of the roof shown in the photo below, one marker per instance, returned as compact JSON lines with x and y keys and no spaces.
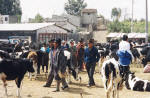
{"x":89,"y":11}
{"x":23,"y":27}
{"x":130,"y":35}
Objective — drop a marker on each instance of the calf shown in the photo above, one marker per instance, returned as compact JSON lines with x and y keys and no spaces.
{"x":33,"y":56}
{"x":14,"y":69}
{"x":111,"y":77}
{"x":136,"y":84}
{"x":71,"y":70}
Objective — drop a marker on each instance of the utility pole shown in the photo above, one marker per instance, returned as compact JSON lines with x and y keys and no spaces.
{"x":132,"y":17}
{"x":146,"y":26}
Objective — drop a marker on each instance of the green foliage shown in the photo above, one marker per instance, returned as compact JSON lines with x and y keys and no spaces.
{"x":125,"y":26}
{"x":116,"y":13}
{"x":10,"y":7}
{"x":38,"y":19}
{"x":74,"y":7}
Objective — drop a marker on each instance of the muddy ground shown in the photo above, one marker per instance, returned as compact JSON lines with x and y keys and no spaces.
{"x":35,"y":89}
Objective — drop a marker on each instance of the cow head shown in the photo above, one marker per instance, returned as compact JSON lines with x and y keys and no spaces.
{"x":129,"y":77}
{"x":30,"y":66}
{"x":145,"y":50}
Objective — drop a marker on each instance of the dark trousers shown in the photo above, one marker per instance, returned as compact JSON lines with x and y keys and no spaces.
{"x":80,"y":63}
{"x":53,"y":74}
{"x":124,"y":70}
{"x":50,"y":78}
{"x":90,"y":67}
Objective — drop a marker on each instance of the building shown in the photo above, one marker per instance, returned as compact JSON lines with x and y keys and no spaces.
{"x":6,"y":19}
{"x":65,"y":21}
{"x":39,"y":32}
{"x":89,"y":18}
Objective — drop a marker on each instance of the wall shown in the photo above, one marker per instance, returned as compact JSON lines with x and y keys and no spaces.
{"x":100,"y":36}
{"x":89,"y":18}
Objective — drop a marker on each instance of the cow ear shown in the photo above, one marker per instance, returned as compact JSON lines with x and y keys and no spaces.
{"x":132,"y":73}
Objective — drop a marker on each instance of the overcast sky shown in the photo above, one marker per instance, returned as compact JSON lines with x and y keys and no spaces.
{"x":48,"y":7}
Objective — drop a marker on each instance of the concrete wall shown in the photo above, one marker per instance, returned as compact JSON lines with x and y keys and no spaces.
{"x":89,"y":18}
{"x":100,"y":36}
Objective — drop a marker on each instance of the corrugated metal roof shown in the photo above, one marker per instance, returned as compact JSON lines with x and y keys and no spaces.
{"x":23,"y":27}
{"x":130,"y":35}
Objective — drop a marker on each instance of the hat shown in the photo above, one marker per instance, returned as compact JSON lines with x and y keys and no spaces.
{"x":58,"y":41}
{"x":51,"y":41}
{"x":91,"y":41}
{"x":71,"y":40}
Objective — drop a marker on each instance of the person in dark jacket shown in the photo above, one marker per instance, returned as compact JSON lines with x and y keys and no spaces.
{"x":91,"y":57}
{"x":80,"y":54}
{"x":57,"y":66}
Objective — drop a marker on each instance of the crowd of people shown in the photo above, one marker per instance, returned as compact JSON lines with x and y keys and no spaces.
{"x":82,"y":57}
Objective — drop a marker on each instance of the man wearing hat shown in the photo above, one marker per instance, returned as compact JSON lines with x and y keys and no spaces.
{"x":91,"y":57}
{"x":58,"y":66}
{"x":80,"y":54}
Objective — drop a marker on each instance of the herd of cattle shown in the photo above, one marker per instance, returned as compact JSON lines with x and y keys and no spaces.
{"x":15,"y":61}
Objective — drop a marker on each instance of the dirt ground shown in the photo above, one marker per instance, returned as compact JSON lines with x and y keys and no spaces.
{"x":35,"y":89}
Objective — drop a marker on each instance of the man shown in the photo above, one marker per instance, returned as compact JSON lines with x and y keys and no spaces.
{"x":58,"y":66}
{"x":80,"y":54}
{"x":73,"y":52}
{"x":91,"y":57}
{"x":65,"y":46}
{"x":125,"y":55}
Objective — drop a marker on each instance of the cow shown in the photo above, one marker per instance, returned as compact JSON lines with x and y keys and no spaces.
{"x":146,"y":52}
{"x":70,"y":70}
{"x":33,"y":56}
{"x":111,"y":77}
{"x":4,"y":54}
{"x":136,"y":84}
{"x":14,"y":69}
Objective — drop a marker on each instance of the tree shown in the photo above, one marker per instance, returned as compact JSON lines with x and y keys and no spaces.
{"x":38,"y":19}
{"x":116,"y":13}
{"x":74,"y":7}
{"x":10,"y":7}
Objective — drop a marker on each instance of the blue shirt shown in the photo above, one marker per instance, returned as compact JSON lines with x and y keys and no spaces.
{"x":92,"y":55}
{"x":124,"y":57}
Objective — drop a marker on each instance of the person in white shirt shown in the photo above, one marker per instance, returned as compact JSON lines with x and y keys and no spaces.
{"x":125,"y":55}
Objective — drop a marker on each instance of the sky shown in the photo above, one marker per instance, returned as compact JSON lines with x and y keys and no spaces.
{"x":49,"y":7}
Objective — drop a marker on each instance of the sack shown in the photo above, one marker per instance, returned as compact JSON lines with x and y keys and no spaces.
{"x":147,"y":68}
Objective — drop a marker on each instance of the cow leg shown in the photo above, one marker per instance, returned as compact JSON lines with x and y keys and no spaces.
{"x":38,"y":69}
{"x":5,"y":86}
{"x":35,"y":73}
{"x":3,"y":78}
{"x":18,"y":83}
{"x":108,"y":94}
{"x":117,"y":94}
{"x":115,"y":90}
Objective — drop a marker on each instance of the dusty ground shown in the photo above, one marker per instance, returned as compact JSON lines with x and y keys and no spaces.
{"x":35,"y":89}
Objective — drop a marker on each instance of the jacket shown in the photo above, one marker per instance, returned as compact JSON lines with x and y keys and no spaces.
{"x":92,"y":55}
{"x":125,"y":57}
{"x":60,"y":61}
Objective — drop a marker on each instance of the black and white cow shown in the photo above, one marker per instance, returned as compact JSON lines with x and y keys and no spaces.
{"x":136,"y":84}
{"x":111,"y":77}
{"x":146,"y":52}
{"x":4,"y":55}
{"x":71,"y":71}
{"x":14,"y":69}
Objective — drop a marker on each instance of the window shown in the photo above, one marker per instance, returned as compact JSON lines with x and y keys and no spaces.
{"x":6,"y":18}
